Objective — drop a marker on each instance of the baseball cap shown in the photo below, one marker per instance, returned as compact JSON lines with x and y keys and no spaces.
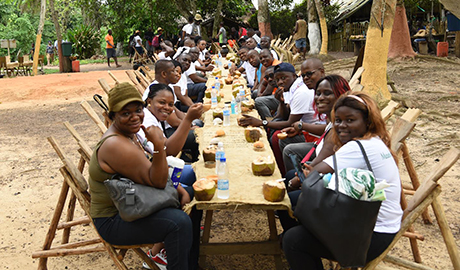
{"x":284,"y":67}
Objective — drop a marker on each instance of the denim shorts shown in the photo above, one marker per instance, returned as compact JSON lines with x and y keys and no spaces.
{"x":301,"y":43}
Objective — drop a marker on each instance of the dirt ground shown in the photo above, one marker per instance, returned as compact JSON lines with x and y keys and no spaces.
{"x":34,"y":108}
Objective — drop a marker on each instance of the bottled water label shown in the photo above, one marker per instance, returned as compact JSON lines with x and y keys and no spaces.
{"x":222,"y":184}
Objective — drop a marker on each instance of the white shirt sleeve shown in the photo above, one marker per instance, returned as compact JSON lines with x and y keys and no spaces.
{"x":301,"y":102}
{"x":189,"y":72}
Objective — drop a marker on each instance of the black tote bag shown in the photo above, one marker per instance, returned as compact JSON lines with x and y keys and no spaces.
{"x":341,"y":223}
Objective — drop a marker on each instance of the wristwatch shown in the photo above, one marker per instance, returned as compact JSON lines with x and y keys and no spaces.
{"x":300,"y":125}
{"x":264,"y":122}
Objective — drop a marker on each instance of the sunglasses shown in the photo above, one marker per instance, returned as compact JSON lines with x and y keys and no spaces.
{"x":308,"y":74}
{"x":272,"y":75}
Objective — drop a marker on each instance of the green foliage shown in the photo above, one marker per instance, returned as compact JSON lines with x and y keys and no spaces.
{"x":85,"y":41}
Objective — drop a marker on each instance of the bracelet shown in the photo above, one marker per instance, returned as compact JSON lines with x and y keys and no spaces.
{"x":157,"y":152}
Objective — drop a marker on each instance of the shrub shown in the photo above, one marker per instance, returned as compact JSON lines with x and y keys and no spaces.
{"x":85,"y":41}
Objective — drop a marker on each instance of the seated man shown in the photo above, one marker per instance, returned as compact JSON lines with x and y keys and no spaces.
{"x":265,"y":42}
{"x":267,"y":104}
{"x":195,"y":54}
{"x":295,"y":104}
{"x":254,"y":60}
{"x":196,"y":85}
{"x":182,"y":101}
{"x":167,"y":50}
{"x":252,"y":44}
{"x":188,"y":43}
{"x":267,"y":60}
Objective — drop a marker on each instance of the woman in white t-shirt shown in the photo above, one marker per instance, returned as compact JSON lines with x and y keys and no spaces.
{"x":355,"y":117}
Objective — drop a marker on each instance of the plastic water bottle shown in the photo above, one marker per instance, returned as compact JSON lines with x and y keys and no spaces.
{"x":223,"y":191}
{"x":213,"y":97}
{"x":233,"y":105}
{"x":242,"y":94}
{"x":238,"y":103}
{"x":217,"y":84}
{"x":226,"y":113}
{"x":220,"y":153}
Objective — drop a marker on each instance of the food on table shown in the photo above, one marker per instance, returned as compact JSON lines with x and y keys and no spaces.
{"x":206,"y":107}
{"x":237,"y":72}
{"x":217,"y":113}
{"x":274,"y":190}
{"x":258,"y":146}
{"x":248,"y":104}
{"x":217,"y":72}
{"x":252,"y":134}
{"x":209,"y":153}
{"x":226,"y":66}
{"x":219,"y":133}
{"x":213,"y":177}
{"x":229,"y":79}
{"x":282,"y":135}
{"x":263,"y":166}
{"x":204,"y":189}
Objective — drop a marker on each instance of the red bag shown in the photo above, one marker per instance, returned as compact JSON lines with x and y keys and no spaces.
{"x":156,"y":41}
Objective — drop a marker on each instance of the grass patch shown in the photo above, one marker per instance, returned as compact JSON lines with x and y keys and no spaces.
{"x":92,"y":61}
{"x":51,"y":71}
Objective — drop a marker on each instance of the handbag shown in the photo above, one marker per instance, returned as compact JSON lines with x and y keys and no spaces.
{"x":344,"y":225}
{"x":135,"y":201}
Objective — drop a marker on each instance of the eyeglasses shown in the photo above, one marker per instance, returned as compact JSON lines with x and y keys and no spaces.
{"x":272,"y":75}
{"x":308,"y":73}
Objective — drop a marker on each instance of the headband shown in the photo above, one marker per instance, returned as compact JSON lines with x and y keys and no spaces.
{"x":358,"y":99}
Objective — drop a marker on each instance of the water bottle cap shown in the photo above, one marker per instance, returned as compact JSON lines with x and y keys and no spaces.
{"x":223,"y":159}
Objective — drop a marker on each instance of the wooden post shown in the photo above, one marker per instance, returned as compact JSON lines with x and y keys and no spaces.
{"x":38,"y":40}
{"x":374,"y":78}
{"x":446,"y":233}
{"x":323,"y":26}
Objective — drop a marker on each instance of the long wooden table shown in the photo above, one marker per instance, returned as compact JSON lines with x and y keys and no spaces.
{"x":245,"y":188}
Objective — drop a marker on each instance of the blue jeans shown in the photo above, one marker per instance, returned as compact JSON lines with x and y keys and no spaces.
{"x":196,"y":90}
{"x":171,"y":226}
{"x":301,"y":43}
{"x":188,"y":176}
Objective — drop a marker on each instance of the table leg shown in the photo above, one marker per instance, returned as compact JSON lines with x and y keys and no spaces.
{"x":205,"y":237}
{"x":274,"y":237}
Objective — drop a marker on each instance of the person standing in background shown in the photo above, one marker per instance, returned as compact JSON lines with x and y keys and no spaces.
{"x":110,"y":48}
{"x":148,"y":36}
{"x":49,"y":53}
{"x":300,"y":35}
{"x":222,"y":35}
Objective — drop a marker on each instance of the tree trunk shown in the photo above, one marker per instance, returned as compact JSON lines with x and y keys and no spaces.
{"x":374,"y":78}
{"x":263,"y":18}
{"x":38,"y":40}
{"x":185,"y":8}
{"x":322,"y":21}
{"x":314,"y":35}
{"x":217,"y":18}
{"x":400,"y":43}
{"x":58,"y":34}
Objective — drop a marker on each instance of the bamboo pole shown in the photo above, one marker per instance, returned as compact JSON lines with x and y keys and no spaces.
{"x":38,"y":39}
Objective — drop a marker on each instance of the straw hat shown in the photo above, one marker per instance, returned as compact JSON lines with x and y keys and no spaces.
{"x":198,"y":17}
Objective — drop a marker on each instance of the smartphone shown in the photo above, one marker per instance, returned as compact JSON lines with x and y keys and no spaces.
{"x":297,"y":167}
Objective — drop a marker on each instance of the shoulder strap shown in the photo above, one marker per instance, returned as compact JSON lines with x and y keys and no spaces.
{"x":365,"y":156}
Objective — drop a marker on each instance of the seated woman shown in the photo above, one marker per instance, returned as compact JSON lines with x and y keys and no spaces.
{"x":159,"y":106}
{"x":355,"y":117}
{"x":328,"y":90}
{"x":120,"y":152}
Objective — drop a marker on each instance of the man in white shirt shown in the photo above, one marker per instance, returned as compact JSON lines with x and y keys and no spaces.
{"x":188,"y":43}
{"x":187,"y":29}
{"x":293,"y":107}
{"x":265,"y":43}
{"x":196,"y":85}
{"x":166,"y":50}
{"x":138,"y":42}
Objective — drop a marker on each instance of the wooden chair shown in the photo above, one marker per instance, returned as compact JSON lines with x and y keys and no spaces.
{"x":132,"y":76}
{"x":93,"y":115}
{"x":11,"y":67}
{"x":75,"y":181}
{"x":425,"y":195}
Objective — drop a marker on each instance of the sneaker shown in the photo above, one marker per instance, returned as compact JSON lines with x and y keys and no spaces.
{"x":160,"y":260}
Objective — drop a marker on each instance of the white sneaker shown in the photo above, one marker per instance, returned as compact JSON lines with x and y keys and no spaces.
{"x":159,"y":259}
